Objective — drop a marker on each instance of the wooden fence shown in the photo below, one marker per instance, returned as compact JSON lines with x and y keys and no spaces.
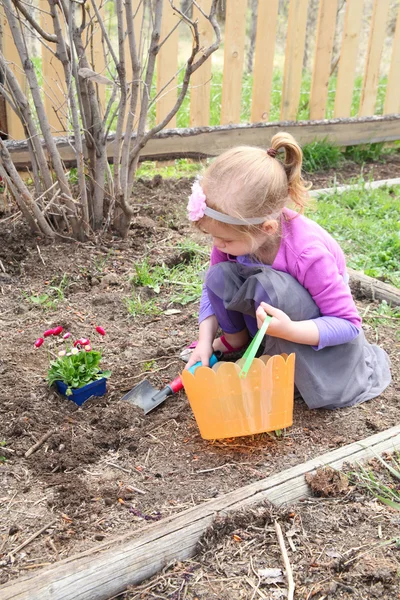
{"x":234,"y":44}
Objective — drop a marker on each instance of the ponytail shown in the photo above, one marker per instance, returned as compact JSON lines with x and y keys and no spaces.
{"x":297,"y":187}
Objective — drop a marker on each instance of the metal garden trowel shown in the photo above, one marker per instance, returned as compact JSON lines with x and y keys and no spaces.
{"x":148,"y":397}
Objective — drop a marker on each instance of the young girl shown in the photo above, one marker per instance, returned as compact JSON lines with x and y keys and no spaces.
{"x":269,"y":259}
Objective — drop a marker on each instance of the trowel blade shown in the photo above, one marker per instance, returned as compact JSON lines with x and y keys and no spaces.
{"x":141,"y":395}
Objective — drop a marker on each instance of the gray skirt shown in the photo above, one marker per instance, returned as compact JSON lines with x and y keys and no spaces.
{"x":334,"y":377}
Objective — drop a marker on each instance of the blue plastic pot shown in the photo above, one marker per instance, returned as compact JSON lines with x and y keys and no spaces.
{"x":80,"y":395}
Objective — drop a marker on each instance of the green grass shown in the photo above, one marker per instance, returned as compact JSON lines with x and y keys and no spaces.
{"x":320,"y":155}
{"x":55,"y":293}
{"x":179,"y":284}
{"x":382,"y":483}
{"x":366,"y":223}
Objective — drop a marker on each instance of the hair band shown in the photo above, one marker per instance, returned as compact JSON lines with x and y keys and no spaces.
{"x":197,"y":209}
{"x":272,"y":152}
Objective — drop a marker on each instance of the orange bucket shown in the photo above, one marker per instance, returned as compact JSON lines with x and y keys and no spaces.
{"x":226,"y":405}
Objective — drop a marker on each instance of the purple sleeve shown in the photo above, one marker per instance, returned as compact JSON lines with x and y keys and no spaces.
{"x":334,"y":331}
{"x":206,"y":310}
{"x":318,"y":272}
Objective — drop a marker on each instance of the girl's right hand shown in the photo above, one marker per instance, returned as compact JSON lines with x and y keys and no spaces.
{"x":202,"y":353}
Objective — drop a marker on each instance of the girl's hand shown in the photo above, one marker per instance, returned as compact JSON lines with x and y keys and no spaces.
{"x":280,"y":326}
{"x":202,"y":353}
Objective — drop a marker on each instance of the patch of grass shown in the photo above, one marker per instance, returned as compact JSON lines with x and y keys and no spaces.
{"x":179,"y":284}
{"x":364,"y":153}
{"x":54,"y":294}
{"x":181,"y":167}
{"x":3,"y":459}
{"x":138,"y":307}
{"x":366,"y":223}
{"x":381,"y":483}
{"x":321,"y":154}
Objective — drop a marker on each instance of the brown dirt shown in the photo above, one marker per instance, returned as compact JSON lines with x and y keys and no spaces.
{"x":339,"y":549}
{"x":84,"y":476}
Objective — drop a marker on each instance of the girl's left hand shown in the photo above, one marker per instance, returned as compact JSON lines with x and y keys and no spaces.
{"x":280,"y":325}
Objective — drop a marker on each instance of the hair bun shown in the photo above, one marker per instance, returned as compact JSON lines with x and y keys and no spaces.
{"x":271,"y":152}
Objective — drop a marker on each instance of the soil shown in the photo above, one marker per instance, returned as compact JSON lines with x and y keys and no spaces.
{"x":105,"y":468}
{"x":343,"y":547}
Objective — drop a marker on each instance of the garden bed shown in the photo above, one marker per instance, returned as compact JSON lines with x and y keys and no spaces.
{"x":106,"y":469}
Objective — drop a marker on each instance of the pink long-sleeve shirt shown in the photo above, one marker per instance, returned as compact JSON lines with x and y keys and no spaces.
{"x":316,"y":261}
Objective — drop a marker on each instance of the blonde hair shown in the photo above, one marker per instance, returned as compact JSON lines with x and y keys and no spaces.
{"x":247,"y":182}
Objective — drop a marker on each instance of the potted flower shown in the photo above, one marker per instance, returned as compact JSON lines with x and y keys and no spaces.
{"x":75,"y":369}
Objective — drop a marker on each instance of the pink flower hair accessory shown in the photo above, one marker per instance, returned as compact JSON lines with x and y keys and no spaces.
{"x":197,"y":202}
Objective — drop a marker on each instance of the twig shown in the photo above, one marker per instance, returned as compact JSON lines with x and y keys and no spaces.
{"x":44,"y":437}
{"x":40,"y":255}
{"x":286,"y":562}
{"x":31,"y":538}
{"x":255,"y":588}
{"x":111,"y":464}
{"x":2,"y":267}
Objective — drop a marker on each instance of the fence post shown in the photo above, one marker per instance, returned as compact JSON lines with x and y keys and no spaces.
{"x":235,"y":32}
{"x":55,"y":93}
{"x":167,"y":65}
{"x":323,"y":55}
{"x":374,"y":53}
{"x":267,"y":20}
{"x":200,"y":83}
{"x":392,"y":100}
{"x":15,"y":128}
{"x":296,"y":35}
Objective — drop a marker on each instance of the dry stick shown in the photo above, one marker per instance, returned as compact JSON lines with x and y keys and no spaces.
{"x":44,"y":437}
{"x":286,"y":562}
{"x":32,"y":537}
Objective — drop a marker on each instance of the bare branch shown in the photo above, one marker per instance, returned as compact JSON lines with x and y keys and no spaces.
{"x":33,"y":22}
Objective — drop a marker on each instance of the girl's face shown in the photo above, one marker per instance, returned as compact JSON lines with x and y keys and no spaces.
{"x":232,"y":242}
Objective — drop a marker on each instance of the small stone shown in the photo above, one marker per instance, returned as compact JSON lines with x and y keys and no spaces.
{"x":13,"y":530}
{"x":99,"y":537}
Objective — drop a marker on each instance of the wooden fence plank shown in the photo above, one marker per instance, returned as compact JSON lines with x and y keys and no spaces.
{"x":107,"y":570}
{"x":54,"y":88}
{"x":374,"y":53}
{"x":348,"y":58}
{"x":167,"y":65}
{"x":392,"y":100}
{"x":211,"y":141}
{"x":14,"y":125}
{"x":295,"y":40}
{"x":323,"y":55}
{"x":267,"y":20}
{"x":235,"y":32}
{"x":200,"y":84}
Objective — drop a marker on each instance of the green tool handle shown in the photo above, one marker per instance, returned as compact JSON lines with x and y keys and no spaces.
{"x":254,"y":346}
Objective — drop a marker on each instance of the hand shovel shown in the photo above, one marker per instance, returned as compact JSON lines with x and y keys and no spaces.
{"x":148,"y":397}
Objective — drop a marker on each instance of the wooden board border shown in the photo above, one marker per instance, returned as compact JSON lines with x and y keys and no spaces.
{"x":203,"y":142}
{"x":105,"y":571}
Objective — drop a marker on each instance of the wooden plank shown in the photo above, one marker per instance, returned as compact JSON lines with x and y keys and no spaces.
{"x":375,"y":45}
{"x":348,"y":58}
{"x":323,"y":55}
{"x":167,"y":65}
{"x":200,"y":83}
{"x":211,"y":141}
{"x":54,"y":88}
{"x":392,"y":100}
{"x":267,"y":20}
{"x":108,"y":569}
{"x":14,"y":125}
{"x":368,"y":287}
{"x":294,"y":55}
{"x":234,"y":42}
